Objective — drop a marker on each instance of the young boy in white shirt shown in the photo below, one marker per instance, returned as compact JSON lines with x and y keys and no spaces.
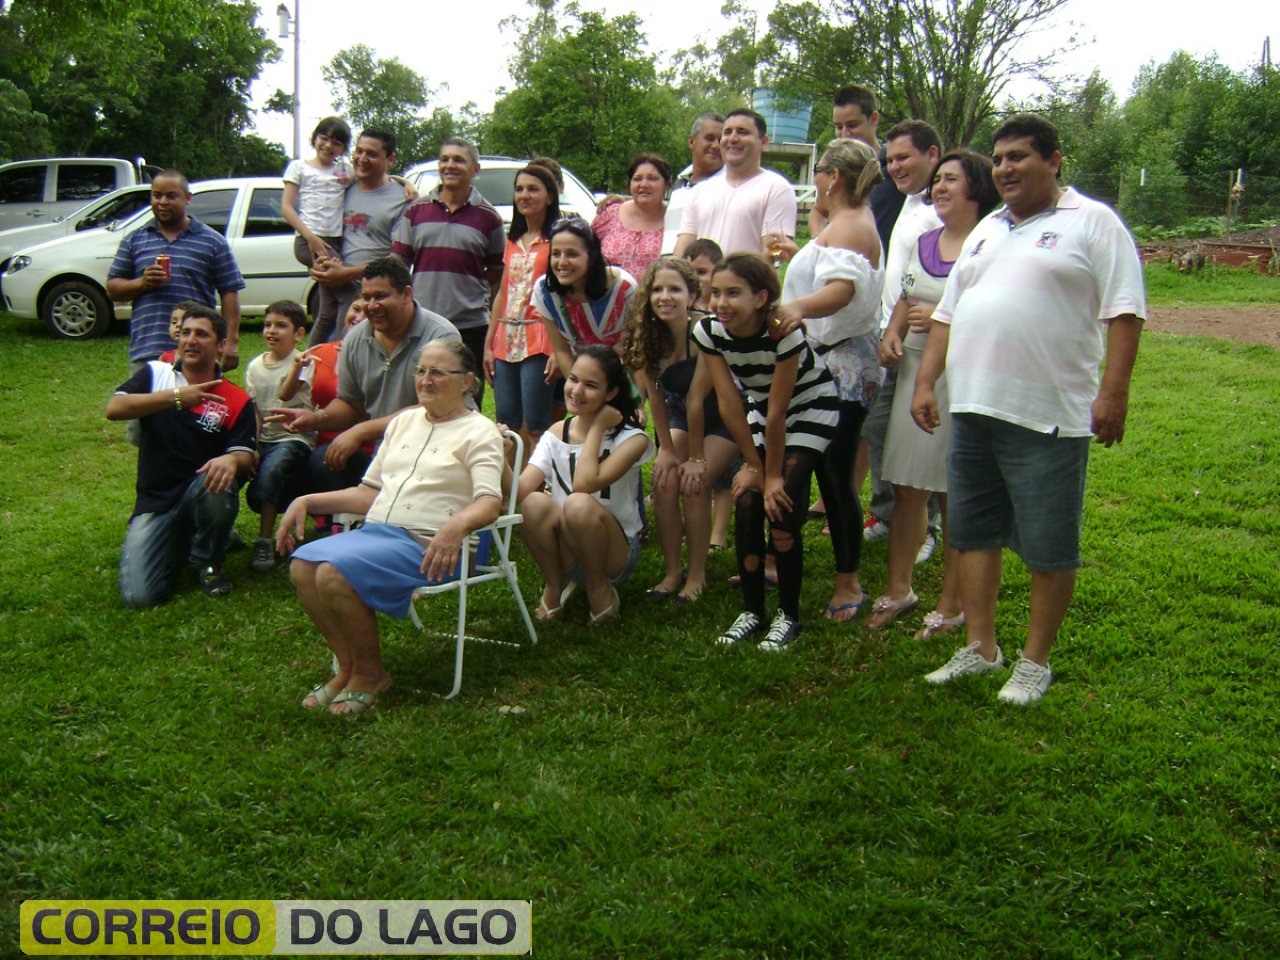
{"x":280,"y":377}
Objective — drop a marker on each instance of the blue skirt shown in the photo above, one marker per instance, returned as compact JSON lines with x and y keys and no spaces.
{"x":381,"y":562}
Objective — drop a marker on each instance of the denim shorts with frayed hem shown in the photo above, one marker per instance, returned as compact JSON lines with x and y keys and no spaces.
{"x":1009,"y":486}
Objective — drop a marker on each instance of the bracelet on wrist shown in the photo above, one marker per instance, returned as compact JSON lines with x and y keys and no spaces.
{"x":177,"y":399}
{"x":750,"y":469}
{"x":697,"y":460}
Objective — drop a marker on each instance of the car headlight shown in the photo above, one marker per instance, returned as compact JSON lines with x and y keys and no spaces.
{"x":19,"y":263}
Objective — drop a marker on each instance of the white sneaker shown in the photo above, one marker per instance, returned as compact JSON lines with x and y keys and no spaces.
{"x":781,"y":632}
{"x":874,"y":531}
{"x":746,"y":625}
{"x":1029,"y":683}
{"x":926,"y":549}
{"x":967,"y":660}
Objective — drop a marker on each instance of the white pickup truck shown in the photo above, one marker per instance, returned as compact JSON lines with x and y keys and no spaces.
{"x":35,"y":191}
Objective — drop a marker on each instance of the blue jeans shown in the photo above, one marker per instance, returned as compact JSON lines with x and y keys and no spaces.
{"x":281,"y":467}
{"x":320,"y":479}
{"x":521,"y":395}
{"x":159,"y":545}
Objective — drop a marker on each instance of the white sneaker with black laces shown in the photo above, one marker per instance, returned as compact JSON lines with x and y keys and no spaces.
{"x":1029,"y":683}
{"x":781,"y":632}
{"x":967,"y":660}
{"x":742,"y":628}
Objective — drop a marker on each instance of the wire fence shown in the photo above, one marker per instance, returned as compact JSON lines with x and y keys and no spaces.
{"x":1166,"y":199}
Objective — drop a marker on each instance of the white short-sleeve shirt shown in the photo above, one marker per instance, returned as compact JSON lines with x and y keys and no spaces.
{"x":1027,"y":305}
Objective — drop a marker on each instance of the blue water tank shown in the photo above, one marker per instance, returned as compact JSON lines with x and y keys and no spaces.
{"x":787,"y":119}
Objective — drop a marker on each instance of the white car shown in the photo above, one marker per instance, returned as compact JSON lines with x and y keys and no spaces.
{"x":118,"y":205}
{"x":496,"y":183}
{"x":64,"y":281}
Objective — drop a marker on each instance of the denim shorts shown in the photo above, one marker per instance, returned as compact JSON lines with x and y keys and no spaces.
{"x":1013,"y":487}
{"x":575,"y":573}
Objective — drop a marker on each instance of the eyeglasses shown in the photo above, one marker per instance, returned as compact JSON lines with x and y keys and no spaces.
{"x":435,"y":373}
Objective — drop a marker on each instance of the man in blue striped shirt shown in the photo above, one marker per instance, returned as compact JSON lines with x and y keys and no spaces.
{"x":200,"y":267}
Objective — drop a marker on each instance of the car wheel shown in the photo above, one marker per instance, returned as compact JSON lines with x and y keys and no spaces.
{"x":313,"y":301}
{"x":76,"y":311}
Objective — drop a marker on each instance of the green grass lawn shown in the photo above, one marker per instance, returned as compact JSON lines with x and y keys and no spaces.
{"x":1213,"y":286}
{"x":659,"y":797}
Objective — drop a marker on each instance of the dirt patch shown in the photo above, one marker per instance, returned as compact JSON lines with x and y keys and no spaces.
{"x":1246,"y":323}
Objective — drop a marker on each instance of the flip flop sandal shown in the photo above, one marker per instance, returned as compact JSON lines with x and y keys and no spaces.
{"x":610,"y":612}
{"x":323,"y":696}
{"x":545,"y":613}
{"x":935,"y":625}
{"x":833,"y":609}
{"x":891,"y":609}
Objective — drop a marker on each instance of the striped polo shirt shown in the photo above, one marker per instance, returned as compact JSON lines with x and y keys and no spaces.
{"x":449,"y":253}
{"x":200,"y":268}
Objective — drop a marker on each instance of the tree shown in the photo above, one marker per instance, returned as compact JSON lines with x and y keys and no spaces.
{"x":590,"y":98}
{"x":373,"y":92}
{"x":168,"y":80}
{"x":1096,"y":140}
{"x":719,"y":77}
{"x":946,"y":61}
{"x":23,"y":132}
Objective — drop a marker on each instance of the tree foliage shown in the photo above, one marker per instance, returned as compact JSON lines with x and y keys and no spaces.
{"x":168,"y":80}
{"x":374,"y":92}
{"x":947,"y":61}
{"x":590,"y":97}
{"x":719,"y":77}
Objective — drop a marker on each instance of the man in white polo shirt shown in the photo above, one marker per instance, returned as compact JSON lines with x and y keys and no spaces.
{"x":737,"y":208}
{"x":911,"y":150}
{"x":1047,"y":286}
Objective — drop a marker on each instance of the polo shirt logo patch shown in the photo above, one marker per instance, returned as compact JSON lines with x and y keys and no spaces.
{"x":212,"y":415}
{"x":1048,"y":240}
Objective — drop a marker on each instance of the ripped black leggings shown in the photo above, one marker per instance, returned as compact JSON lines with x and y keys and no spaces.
{"x":785,"y":540}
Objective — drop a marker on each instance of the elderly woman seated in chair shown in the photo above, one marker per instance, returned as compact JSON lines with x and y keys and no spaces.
{"x":435,"y":480}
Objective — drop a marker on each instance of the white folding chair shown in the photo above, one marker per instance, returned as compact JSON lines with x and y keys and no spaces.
{"x":503,"y":568}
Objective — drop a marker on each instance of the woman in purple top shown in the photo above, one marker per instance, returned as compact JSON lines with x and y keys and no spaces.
{"x":962,"y":193}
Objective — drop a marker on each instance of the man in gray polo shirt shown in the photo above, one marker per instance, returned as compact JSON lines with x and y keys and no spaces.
{"x":373,"y":204}
{"x":375,"y":376}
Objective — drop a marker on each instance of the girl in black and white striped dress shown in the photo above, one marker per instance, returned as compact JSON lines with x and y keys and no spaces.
{"x":790,"y":417}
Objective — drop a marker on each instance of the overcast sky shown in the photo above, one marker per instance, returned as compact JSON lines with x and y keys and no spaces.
{"x":470,"y":53}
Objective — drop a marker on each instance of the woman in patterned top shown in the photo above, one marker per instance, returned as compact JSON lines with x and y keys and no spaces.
{"x":517,"y":353}
{"x":791,"y":415}
{"x":630,"y":231}
{"x":581,"y":299}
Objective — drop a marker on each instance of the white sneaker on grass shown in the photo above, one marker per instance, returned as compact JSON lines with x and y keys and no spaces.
{"x":781,"y":632}
{"x":746,"y":625}
{"x":967,"y":660}
{"x":874,"y":530}
{"x":1029,"y":683}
